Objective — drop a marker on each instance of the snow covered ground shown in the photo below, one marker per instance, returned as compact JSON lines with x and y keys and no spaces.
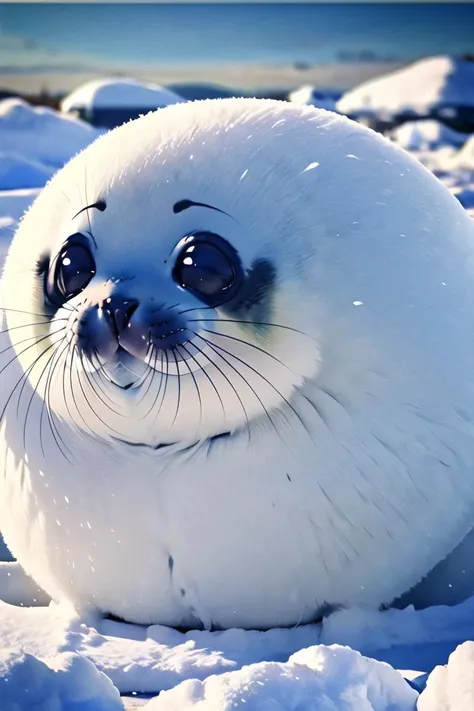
{"x":355,"y":660}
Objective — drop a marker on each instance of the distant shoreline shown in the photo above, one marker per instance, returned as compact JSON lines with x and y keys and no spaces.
{"x":247,"y":77}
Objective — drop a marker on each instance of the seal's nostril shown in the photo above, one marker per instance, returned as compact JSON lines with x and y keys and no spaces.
{"x":119,"y":311}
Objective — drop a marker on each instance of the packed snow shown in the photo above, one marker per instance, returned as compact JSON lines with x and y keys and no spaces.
{"x":20,"y":172}
{"x":418,"y":88}
{"x":41,"y":135}
{"x":426,"y":135}
{"x":319,"y":678}
{"x":53,"y":659}
{"x":111,"y":93}
{"x":66,"y":682}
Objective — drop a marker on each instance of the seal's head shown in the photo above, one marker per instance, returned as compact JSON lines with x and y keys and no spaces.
{"x":154,"y":294}
{"x":182,"y":276}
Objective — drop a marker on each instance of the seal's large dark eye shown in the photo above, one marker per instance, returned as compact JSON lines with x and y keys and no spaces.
{"x":206,"y":265}
{"x":73,"y":270}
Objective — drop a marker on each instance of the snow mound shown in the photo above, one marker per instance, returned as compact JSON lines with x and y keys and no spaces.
{"x":112,"y":93}
{"x":69,"y":682}
{"x":464,"y":159}
{"x":426,"y":135}
{"x":451,"y":687}
{"x":315,"y":679}
{"x":420,"y":87}
{"x":40,"y":134}
{"x":310,"y":96}
{"x":18,"y":172}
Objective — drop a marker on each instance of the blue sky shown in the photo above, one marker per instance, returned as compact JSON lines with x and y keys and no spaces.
{"x":55,"y":35}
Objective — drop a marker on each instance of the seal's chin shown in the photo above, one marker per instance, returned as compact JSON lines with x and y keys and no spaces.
{"x":124,"y":370}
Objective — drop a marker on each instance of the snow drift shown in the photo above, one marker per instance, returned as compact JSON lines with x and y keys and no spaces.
{"x":41,"y":135}
{"x":419,"y":88}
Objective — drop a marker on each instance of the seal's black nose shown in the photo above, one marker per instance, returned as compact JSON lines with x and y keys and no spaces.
{"x":118,"y":311}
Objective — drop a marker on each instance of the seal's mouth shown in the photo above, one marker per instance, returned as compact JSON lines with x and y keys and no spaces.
{"x":125,"y":371}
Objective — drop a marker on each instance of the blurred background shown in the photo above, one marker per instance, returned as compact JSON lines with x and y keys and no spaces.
{"x":69,"y":72}
{"x":206,"y":50}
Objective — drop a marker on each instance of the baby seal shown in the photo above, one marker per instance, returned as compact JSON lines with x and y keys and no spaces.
{"x":240,"y":380}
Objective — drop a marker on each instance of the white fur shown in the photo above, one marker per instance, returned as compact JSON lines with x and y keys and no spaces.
{"x":375,"y":266}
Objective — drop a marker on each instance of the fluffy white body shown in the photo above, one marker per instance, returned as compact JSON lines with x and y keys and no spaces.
{"x":352,"y":421}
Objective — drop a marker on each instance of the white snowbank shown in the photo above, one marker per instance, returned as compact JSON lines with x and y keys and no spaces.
{"x":310,"y":95}
{"x":69,"y":682}
{"x":117,"y":92}
{"x":419,"y":87}
{"x":40,"y":134}
{"x":315,"y":679}
{"x":149,"y":660}
{"x":16,"y":172}
{"x":427,"y":134}
{"x":371,"y":631}
{"x":451,"y":687}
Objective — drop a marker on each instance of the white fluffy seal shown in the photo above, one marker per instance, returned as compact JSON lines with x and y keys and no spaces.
{"x":241,"y":381}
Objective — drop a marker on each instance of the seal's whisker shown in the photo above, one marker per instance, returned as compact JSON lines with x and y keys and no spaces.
{"x":254,"y":370}
{"x":178,"y":378}
{"x":47,"y":400}
{"x":203,"y":370}
{"x":236,"y":370}
{"x":24,"y":377}
{"x":159,"y":387}
{"x":87,"y":400}
{"x":227,"y":379}
{"x":247,"y":343}
{"x":196,"y":385}
{"x":28,"y":410}
{"x":100,"y":372}
{"x":73,"y":349}
{"x":148,"y":372}
{"x":165,"y":385}
{"x":252,"y":323}
{"x":90,"y":377}
{"x":27,"y":325}
{"x":32,"y":345}
{"x":86,"y":374}
{"x":196,"y":308}
{"x":30,"y":338}
{"x":94,"y":384}
{"x":151,"y":372}
{"x":70,"y":352}
{"x":32,"y":313}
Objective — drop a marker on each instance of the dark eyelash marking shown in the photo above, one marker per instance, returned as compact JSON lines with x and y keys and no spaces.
{"x":42,"y":266}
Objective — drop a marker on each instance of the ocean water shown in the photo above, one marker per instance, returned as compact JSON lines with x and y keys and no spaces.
{"x":206,"y":33}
